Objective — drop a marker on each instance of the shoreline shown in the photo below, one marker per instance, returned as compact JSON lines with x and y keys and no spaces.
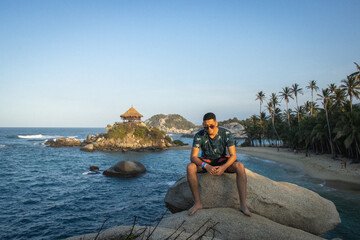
{"x":316,"y":166}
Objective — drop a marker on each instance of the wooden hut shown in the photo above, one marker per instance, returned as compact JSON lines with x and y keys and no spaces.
{"x":131,"y":115}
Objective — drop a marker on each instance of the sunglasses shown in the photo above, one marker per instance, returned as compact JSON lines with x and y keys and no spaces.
{"x":211,"y":126}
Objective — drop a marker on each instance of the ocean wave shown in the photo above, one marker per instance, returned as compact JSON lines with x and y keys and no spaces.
{"x":37,"y":136}
{"x":2,"y":145}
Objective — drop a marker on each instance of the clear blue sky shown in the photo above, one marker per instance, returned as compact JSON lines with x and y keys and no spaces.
{"x":83,"y":63}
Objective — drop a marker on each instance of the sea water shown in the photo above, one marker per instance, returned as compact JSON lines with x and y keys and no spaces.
{"x":48,"y":193}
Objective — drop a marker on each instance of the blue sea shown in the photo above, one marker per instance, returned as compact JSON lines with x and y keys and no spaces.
{"x":48,"y":193}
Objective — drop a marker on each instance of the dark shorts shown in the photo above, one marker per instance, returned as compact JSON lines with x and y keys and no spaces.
{"x":216,"y":162}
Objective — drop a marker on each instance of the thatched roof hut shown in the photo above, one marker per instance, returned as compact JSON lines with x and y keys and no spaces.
{"x":131,"y":115}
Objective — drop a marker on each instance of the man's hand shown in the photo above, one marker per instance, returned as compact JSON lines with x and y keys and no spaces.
{"x":210,"y":169}
{"x":216,"y":171}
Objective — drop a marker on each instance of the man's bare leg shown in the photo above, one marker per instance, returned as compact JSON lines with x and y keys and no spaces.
{"x":241,"y":182}
{"x":192,"y":169}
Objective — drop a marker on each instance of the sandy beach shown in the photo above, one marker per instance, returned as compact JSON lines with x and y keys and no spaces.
{"x":317,"y":166}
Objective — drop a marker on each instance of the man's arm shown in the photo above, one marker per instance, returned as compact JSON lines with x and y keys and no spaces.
{"x":221,"y":169}
{"x":195,"y":159}
{"x":194,"y":156}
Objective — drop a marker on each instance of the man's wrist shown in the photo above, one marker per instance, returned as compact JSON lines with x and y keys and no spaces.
{"x":203,"y":165}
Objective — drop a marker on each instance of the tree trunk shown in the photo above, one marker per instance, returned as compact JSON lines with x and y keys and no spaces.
{"x":330,"y":138}
{"x":357,"y":151}
{"x":288,"y":114}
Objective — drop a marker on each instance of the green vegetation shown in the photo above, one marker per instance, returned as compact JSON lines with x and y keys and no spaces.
{"x":332,"y":128}
{"x":117,"y":132}
{"x":120,"y":131}
{"x":156,"y":133}
{"x":141,"y":132}
{"x":179,"y":143}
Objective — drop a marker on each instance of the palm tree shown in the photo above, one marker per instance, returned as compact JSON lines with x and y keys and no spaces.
{"x":332,"y":87}
{"x":308,"y":107}
{"x":312,"y":86}
{"x":301,"y":112}
{"x":325,"y":98}
{"x":274,"y":102}
{"x":348,"y":129}
{"x":339,"y":97}
{"x":357,"y":73}
{"x":261,"y":97}
{"x":296,"y":90}
{"x":286,"y":94}
{"x":351,"y":87}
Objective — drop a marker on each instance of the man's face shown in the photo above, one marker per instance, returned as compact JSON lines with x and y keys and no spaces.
{"x":210,"y":126}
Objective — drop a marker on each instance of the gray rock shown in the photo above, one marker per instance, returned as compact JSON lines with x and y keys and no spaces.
{"x":125,"y":169}
{"x":121,"y":232}
{"x":108,"y":128}
{"x":88,"y":147}
{"x":94,"y":168}
{"x":236,"y":129}
{"x":232,"y":224}
{"x":282,"y":202}
{"x":89,"y":137}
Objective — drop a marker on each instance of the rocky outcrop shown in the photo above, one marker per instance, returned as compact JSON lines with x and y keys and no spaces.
{"x":141,"y":232}
{"x":120,"y":137}
{"x":281,"y":202}
{"x":63,"y":142}
{"x":235,"y":128}
{"x":125,"y":169}
{"x":172,"y":123}
{"x":231,"y":224}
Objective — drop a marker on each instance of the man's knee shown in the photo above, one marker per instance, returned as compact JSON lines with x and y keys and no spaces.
{"x":191,"y":168}
{"x":239,"y":167}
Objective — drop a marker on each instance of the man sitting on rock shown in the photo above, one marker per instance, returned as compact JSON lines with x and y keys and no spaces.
{"x":214,"y":141}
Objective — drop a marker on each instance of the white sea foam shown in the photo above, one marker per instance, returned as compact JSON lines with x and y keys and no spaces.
{"x":31,"y":136}
{"x":2,"y":145}
{"x":91,"y":173}
{"x":37,"y":136}
{"x":170,"y":183}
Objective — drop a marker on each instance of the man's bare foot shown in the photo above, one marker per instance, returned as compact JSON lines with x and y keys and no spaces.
{"x":245,"y":211}
{"x":194,"y":209}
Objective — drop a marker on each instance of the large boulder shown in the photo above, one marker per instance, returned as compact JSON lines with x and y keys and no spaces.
{"x":88,"y":147}
{"x":282,"y":202}
{"x":125,"y":169}
{"x":141,"y":232}
{"x":229,"y":223}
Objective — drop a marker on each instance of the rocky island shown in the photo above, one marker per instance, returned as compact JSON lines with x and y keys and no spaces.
{"x":129,"y":135}
{"x":124,"y":137}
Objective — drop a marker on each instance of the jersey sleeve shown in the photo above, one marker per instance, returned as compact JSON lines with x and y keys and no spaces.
{"x":197,"y":141}
{"x":229,"y":139}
